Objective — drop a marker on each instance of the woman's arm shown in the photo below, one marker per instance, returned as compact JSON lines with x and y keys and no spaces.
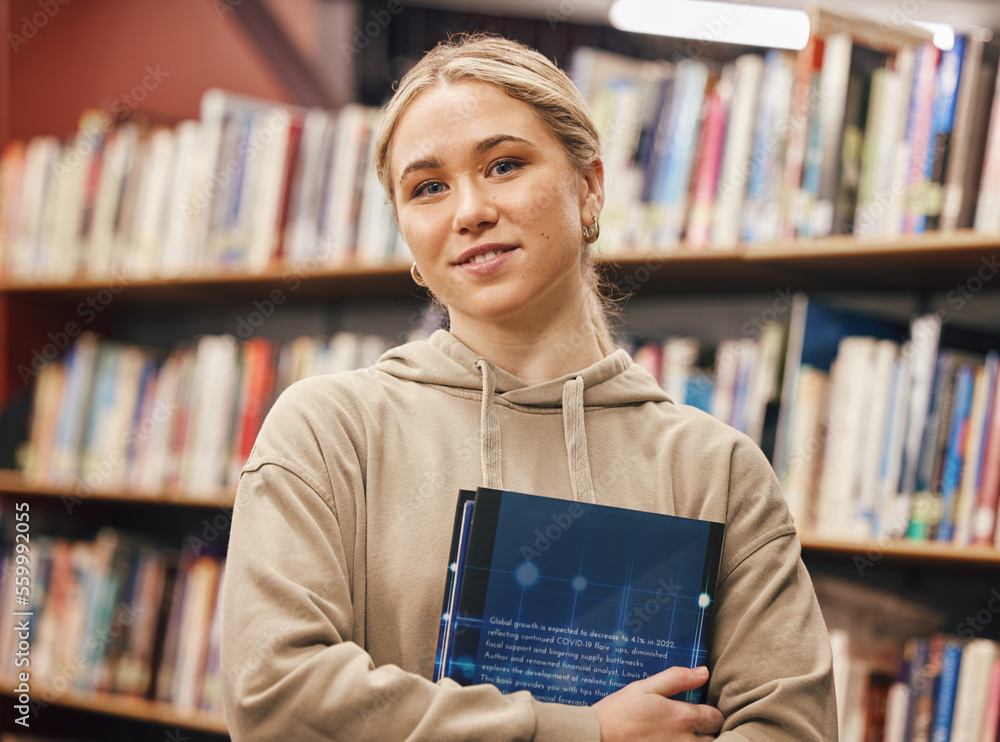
{"x":292,"y":667}
{"x":770,"y":655}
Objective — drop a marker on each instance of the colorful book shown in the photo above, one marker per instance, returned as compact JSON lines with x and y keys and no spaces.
{"x":574,"y":600}
{"x":947,"y":685}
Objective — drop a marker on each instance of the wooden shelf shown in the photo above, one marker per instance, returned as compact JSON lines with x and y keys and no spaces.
{"x":381,"y":282}
{"x":901,"y":549}
{"x":13,"y":482}
{"x":844,"y":262}
{"x":129,"y":707}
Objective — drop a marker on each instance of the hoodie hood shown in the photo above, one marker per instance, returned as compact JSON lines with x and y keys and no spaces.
{"x":442,"y":360}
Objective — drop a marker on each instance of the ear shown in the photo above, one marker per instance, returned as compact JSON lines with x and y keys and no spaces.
{"x":592,"y":191}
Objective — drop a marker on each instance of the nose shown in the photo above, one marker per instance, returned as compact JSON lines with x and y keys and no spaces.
{"x":474,"y":209}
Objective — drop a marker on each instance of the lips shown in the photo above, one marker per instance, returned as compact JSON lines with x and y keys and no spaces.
{"x":483,"y":253}
{"x":483,"y":257}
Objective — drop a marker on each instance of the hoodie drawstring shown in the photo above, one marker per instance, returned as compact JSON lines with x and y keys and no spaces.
{"x":576,"y":441}
{"x":575,"y":434}
{"x":489,"y":427}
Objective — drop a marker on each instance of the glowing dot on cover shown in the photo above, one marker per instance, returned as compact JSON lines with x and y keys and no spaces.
{"x":527,"y":574}
{"x":704,"y":600}
{"x":453,"y":566}
{"x":579,"y":582}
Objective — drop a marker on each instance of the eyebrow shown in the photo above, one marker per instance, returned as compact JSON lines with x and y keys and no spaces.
{"x":478,"y":150}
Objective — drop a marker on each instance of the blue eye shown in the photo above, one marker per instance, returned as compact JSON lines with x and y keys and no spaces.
{"x":505,"y":167}
{"x":430,"y":188}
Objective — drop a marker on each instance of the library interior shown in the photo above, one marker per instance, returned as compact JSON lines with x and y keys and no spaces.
{"x":800,"y":234}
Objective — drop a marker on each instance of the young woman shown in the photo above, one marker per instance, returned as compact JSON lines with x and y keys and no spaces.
{"x":344,"y":513}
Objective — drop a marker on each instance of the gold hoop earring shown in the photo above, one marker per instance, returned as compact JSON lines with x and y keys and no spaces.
{"x":590,"y":234}
{"x":417,"y":278}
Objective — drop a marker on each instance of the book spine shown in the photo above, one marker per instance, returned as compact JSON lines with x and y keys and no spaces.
{"x":991,"y":718}
{"x":942,"y":127}
{"x":919,"y":129}
{"x":985,"y":518}
{"x":699,"y":226}
{"x":958,"y":160}
{"x":951,"y":476}
{"x":988,"y":208}
{"x":944,"y":701}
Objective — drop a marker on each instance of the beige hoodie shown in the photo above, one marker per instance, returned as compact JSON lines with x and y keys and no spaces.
{"x":341,"y":532}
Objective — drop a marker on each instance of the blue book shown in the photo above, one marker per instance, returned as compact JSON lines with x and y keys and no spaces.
{"x":942,"y":125}
{"x":572,"y":601}
{"x":944,"y":701}
{"x":951,"y":476}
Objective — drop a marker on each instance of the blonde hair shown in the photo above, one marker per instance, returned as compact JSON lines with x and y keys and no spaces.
{"x":525,"y":75}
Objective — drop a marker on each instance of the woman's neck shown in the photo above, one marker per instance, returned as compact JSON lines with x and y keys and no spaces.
{"x":534,"y":352}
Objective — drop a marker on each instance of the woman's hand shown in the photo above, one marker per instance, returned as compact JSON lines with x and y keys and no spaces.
{"x":643,"y":712}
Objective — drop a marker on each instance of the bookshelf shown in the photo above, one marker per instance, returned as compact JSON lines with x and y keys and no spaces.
{"x":135,"y":709}
{"x":925,"y":266}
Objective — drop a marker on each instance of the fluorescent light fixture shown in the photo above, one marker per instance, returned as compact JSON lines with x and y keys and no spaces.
{"x":944,"y":35}
{"x":707,"y":21}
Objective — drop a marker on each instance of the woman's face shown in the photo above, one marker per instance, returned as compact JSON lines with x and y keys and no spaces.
{"x":490,"y":205}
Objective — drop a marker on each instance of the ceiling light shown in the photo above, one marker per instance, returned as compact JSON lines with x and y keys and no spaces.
{"x":944,"y":35}
{"x":709,"y":22}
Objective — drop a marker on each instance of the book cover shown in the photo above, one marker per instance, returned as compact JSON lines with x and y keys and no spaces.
{"x":571,"y":600}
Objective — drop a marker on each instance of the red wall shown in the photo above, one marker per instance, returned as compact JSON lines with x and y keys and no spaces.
{"x":90,"y":53}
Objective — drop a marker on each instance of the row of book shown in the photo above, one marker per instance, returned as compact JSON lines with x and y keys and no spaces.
{"x":118,"y":614}
{"x":876,"y":427}
{"x":738,"y":381}
{"x":937,"y":687}
{"x":889,"y":429}
{"x":249,"y":184}
{"x":854,"y":134}
{"x":112,"y":416}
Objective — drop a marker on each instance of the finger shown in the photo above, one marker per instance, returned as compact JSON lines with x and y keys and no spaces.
{"x":674,"y":680}
{"x":708,"y":720}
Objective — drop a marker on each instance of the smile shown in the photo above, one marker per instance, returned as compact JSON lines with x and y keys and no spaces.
{"x":485,"y":260}
{"x":483,"y":257}
{"x":483,"y":253}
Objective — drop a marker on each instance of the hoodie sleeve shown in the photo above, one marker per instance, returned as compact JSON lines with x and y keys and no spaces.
{"x":771,"y":661}
{"x":292,"y":648}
